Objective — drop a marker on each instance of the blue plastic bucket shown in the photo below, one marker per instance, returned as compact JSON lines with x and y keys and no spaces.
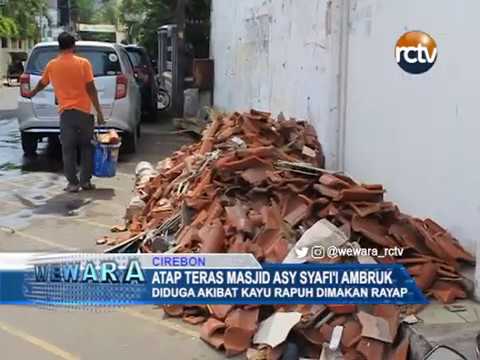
{"x":105,"y":160}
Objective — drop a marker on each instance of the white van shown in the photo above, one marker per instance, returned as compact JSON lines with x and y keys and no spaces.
{"x":118,"y":92}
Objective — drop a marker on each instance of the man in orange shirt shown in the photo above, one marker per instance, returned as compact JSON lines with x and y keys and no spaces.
{"x":72,"y":80}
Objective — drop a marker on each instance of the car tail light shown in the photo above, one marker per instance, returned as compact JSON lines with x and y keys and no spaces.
{"x":24,"y":85}
{"x":121,"y":88}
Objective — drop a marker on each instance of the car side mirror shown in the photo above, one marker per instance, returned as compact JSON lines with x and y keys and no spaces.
{"x":441,"y":352}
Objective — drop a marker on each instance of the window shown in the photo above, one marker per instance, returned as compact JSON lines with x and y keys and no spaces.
{"x":126,"y":60}
{"x":19,"y":44}
{"x":137,"y":57}
{"x":4,"y":43}
{"x":104,"y":61}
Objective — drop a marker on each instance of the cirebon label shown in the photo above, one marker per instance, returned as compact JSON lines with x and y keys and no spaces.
{"x":416,"y":52}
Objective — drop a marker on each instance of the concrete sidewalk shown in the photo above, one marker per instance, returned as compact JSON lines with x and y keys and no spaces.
{"x":36,"y":215}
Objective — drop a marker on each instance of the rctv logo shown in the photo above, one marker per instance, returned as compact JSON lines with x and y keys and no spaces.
{"x":416,"y":52}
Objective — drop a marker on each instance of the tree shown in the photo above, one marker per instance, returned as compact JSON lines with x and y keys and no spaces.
{"x":8,"y":27}
{"x":82,"y":11}
{"x":143,"y":18}
{"x":22,"y":15}
{"x":109,"y":13}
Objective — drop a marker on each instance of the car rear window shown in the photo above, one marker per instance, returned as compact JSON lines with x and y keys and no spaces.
{"x":137,"y":57}
{"x":104,"y":61}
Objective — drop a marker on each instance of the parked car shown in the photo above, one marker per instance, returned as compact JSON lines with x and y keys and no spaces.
{"x":15,"y":68}
{"x":118,"y":92}
{"x":142,"y":65}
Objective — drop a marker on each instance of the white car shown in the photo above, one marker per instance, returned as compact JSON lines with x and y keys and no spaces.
{"x":118,"y":92}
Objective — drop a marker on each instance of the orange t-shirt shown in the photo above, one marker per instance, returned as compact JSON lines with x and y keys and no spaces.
{"x":69,"y":75}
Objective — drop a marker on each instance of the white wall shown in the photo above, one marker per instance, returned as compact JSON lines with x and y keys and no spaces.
{"x":278,"y":55}
{"x":418,"y":135}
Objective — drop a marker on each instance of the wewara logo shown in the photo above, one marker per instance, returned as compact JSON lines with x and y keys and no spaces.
{"x":416,"y":52}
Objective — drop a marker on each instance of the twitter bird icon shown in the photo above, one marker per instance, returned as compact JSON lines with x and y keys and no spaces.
{"x":301,"y":252}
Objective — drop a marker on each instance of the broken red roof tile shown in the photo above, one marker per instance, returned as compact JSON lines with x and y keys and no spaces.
{"x":215,"y":211}
{"x":358,"y":193}
{"x":297,"y":214}
{"x":268,"y":152}
{"x":194,"y":320}
{"x":237,"y":340}
{"x":452,"y":247}
{"x":342,"y":309}
{"x":391,"y":313}
{"x":333,"y":181}
{"x":433,"y":227}
{"x":372,"y":349}
{"x":375,"y":327}
{"x":373,"y":230}
{"x":413,"y":260}
{"x":338,"y":320}
{"x":430,"y":241}
{"x":238,"y":246}
{"x":264,"y":115}
{"x":352,"y":354}
{"x":212,"y":332}
{"x":447,"y":292}
{"x":266,"y":238}
{"x":271,"y":217}
{"x":207,"y":144}
{"x":220,"y":311}
{"x":424,"y":274}
{"x":364,"y":209}
{"x":237,"y":217}
{"x":317,"y":336}
{"x":243,"y":318}
{"x":188,"y":235}
{"x":351,"y":333}
{"x":327,"y":191}
{"x":212,"y":237}
{"x":246,"y":200}
{"x":401,"y":351}
{"x":173,"y":310}
{"x":255,"y":175}
{"x":277,"y":251}
{"x":243,"y":164}
{"x":201,"y":186}
{"x":255,"y":249}
{"x":408,"y":237}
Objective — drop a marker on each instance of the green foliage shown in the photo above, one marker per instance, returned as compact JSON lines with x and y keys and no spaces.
{"x":8,"y":27}
{"x":109,"y":13}
{"x":19,"y":18}
{"x":87,"y":12}
{"x":23,"y":15}
{"x":83,"y":11}
{"x":155,"y":13}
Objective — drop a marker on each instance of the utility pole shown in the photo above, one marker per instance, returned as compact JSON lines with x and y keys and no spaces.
{"x":179,"y":76}
{"x":65,"y":14}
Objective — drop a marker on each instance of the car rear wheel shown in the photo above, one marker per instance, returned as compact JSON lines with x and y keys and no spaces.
{"x":163,"y":99}
{"x":29,"y":143}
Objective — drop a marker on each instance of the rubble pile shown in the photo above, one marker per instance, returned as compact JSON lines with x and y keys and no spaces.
{"x":257,"y":185}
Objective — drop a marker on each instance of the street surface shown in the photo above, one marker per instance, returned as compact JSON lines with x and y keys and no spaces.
{"x":36,"y":215}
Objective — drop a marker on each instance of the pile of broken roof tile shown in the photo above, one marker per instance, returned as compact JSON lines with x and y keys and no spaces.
{"x":255,"y":185}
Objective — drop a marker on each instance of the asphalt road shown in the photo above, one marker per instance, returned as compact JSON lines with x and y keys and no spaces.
{"x":36,"y":215}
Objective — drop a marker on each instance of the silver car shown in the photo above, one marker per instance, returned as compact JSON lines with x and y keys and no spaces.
{"x":117,"y":86}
